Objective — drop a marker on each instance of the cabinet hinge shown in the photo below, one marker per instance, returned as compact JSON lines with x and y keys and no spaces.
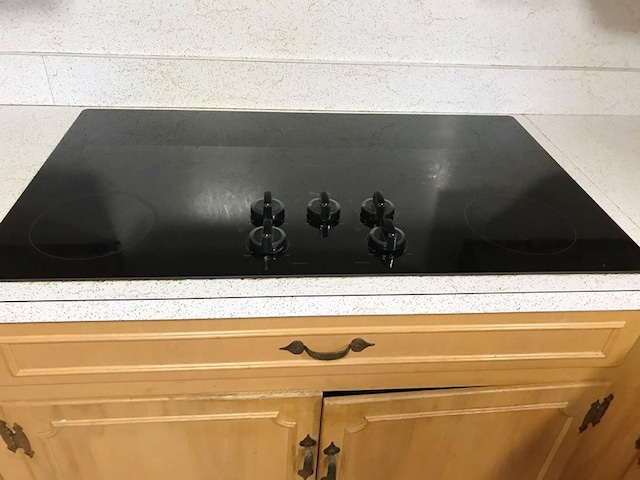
{"x":595,"y":413}
{"x":15,"y":438}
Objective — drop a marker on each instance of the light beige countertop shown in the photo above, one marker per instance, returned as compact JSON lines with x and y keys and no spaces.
{"x":602,"y":153}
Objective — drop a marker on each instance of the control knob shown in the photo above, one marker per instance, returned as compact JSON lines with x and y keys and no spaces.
{"x":323,"y":213}
{"x":267,"y":240}
{"x":375,"y":209}
{"x":386,"y":240}
{"x":267,"y":208}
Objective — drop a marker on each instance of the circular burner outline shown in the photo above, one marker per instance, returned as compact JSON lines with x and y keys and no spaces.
{"x":142,"y":237}
{"x":542,"y":204}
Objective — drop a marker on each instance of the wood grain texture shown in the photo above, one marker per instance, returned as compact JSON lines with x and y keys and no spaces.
{"x":608,"y":450}
{"x":386,"y":377}
{"x":145,"y":399}
{"x":633,"y":472}
{"x":237,"y":437}
{"x":253,"y":347}
{"x":478,"y":434}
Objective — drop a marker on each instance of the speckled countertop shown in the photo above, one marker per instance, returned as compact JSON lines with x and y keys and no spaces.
{"x":602,"y":153}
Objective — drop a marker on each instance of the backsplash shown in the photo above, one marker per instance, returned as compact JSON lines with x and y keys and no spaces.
{"x":484,"y":56}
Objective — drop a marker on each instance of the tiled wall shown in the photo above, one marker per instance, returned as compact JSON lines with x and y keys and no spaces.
{"x":536,"y":56}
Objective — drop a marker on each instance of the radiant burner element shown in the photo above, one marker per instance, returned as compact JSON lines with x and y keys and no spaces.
{"x":520,"y":224}
{"x":91,"y":227}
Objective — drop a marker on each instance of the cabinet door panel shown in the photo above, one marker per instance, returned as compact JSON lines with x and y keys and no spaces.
{"x":473,"y":434}
{"x":633,"y":473}
{"x":234,"y":438}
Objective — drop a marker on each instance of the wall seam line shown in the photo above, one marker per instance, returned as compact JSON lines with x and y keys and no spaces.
{"x":354,"y":63}
{"x":46,"y":72}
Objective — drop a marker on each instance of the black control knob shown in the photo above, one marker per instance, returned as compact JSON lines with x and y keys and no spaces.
{"x":323,"y":212}
{"x":267,"y":240}
{"x":267,"y":208}
{"x":387,"y":240}
{"x":375,"y":209}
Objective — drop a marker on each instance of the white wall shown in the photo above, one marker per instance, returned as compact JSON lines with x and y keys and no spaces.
{"x":511,"y":56}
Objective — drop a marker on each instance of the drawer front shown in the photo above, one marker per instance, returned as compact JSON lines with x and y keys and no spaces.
{"x":309,"y":346}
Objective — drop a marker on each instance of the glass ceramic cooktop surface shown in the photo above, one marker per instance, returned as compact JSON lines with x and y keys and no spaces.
{"x":169,"y":194}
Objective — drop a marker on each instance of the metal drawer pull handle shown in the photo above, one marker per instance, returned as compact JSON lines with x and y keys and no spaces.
{"x":356,"y":345}
{"x":307,"y":468}
{"x":638,"y":448}
{"x":331,"y":451}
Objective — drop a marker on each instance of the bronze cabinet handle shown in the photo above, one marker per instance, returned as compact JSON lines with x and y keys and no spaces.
{"x":356,"y":345}
{"x":307,"y":468}
{"x":331,"y":451}
{"x":638,"y":448}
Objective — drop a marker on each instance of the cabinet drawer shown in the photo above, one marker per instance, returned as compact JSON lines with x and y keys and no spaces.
{"x":254,"y":347}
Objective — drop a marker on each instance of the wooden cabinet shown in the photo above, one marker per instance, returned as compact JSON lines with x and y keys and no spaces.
{"x":244,"y":349}
{"x":506,"y":433}
{"x":233,"y":399}
{"x":610,"y":450}
{"x":524,"y":432}
{"x":633,"y":472}
{"x":235,"y":438}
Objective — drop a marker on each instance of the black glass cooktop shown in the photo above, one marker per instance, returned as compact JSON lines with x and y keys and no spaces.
{"x":183,"y":194}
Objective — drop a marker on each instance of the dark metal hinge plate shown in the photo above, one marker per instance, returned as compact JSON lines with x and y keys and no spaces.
{"x":15,"y":438}
{"x":595,"y":413}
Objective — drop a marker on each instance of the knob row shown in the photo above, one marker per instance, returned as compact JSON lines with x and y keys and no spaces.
{"x":383,"y":240}
{"x":322,"y":211}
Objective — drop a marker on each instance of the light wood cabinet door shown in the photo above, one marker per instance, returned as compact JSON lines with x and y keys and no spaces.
{"x":524,"y":433}
{"x":232,"y":438}
{"x":633,"y":473}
